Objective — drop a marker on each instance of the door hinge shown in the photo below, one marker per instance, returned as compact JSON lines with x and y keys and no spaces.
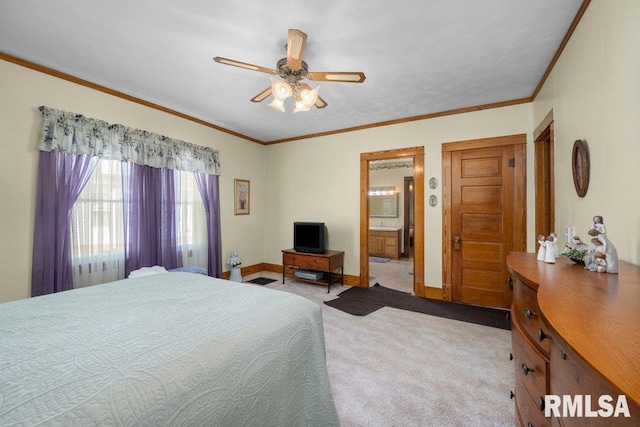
{"x":512,"y":162}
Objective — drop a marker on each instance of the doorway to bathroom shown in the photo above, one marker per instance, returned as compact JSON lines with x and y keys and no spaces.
{"x":392,"y":219}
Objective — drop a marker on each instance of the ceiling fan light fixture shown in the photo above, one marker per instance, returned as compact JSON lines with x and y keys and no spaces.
{"x":280,"y":89}
{"x":300,"y":106}
{"x":277,"y":104}
{"x":291,"y":72}
{"x":309,"y":96}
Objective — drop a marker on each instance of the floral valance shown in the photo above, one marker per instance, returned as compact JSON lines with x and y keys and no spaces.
{"x":76,"y":134}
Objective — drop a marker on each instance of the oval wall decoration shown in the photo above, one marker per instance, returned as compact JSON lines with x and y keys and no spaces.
{"x":580,"y":167}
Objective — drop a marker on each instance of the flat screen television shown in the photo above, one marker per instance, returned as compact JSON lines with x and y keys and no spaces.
{"x":309,"y":237}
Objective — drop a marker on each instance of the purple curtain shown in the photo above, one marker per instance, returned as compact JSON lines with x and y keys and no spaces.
{"x":210,"y":192}
{"x":61,"y":178}
{"x":150,"y":219}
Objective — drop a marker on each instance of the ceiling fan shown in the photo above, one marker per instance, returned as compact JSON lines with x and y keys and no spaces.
{"x":291,"y":71}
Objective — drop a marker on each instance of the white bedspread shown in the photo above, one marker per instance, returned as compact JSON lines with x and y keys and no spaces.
{"x":167,"y":349}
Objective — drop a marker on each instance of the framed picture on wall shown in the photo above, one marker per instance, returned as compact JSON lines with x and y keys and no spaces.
{"x":241,"y":196}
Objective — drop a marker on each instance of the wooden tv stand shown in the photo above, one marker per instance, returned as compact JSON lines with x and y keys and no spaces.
{"x":331,"y":263}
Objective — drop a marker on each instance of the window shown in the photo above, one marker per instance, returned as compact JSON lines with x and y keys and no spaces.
{"x":97,"y":226}
{"x":192,"y":227}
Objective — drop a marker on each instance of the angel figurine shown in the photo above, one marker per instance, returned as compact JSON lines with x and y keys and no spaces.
{"x":542,"y":250}
{"x":551,"y":249}
{"x":234,"y":263}
{"x":598,"y":224}
{"x":602,"y":244}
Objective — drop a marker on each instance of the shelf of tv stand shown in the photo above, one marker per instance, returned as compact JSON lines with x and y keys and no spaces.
{"x":331,"y":263}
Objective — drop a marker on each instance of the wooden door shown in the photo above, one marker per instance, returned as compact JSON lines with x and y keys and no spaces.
{"x":485,"y":214}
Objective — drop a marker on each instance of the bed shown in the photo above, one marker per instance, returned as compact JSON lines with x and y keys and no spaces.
{"x":167,"y":349}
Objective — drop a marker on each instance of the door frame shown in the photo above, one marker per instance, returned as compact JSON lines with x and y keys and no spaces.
{"x":417,"y":153}
{"x":519,"y":142}
{"x":544,"y":175}
{"x":406,"y":239}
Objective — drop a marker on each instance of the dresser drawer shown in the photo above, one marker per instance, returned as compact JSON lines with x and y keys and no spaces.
{"x":528,"y":410}
{"x":531,"y":368}
{"x":527,"y":312}
{"x":307,"y":262}
{"x":570,"y":376}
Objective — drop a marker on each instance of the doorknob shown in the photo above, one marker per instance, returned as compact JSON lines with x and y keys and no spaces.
{"x":456,"y":243}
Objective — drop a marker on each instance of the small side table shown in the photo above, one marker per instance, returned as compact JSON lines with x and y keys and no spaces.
{"x":330,"y":263}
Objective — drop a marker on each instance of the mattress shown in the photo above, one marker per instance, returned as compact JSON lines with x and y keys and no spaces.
{"x":166,"y":349}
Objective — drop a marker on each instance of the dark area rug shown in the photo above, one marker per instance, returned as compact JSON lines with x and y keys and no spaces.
{"x":261,"y":281}
{"x":363,"y":301}
{"x":355,"y":307}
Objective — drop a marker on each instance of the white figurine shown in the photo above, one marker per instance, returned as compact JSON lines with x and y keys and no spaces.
{"x":551,"y":249}
{"x":542,"y":250}
{"x":578,"y":245}
{"x":602,"y":245}
{"x":234,"y":263}
{"x":601,"y":262}
{"x":610,"y":252}
{"x":554,"y":245}
{"x":598,"y":224}
{"x":590,"y":257}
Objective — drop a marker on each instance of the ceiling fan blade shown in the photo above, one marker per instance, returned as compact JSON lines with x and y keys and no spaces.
{"x":262,"y":95}
{"x":295,"y":48}
{"x":251,"y":67}
{"x":337,"y":76}
{"x":320,"y":103}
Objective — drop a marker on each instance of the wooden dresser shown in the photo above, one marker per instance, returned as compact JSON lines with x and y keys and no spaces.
{"x":575,"y":333}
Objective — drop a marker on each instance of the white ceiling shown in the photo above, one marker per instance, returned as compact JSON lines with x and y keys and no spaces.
{"x":420,"y":56}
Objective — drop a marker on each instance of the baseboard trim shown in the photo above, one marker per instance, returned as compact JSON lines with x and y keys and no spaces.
{"x":432,"y":292}
{"x":350,"y":280}
{"x":245,"y":271}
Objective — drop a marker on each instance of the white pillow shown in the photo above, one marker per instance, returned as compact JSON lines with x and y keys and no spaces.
{"x":147,"y":271}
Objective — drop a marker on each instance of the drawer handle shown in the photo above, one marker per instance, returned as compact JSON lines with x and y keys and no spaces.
{"x":526,"y":369}
{"x":541,"y":335}
{"x":529,"y":424}
{"x":542,"y":403}
{"x":529,"y":314}
{"x":510,"y":356}
{"x":512,"y":394}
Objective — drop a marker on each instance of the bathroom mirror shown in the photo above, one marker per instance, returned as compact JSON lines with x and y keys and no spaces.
{"x":383,"y":206}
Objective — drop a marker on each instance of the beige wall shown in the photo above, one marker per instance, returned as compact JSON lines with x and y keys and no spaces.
{"x":21,"y":92}
{"x":594,"y":91}
{"x":318,"y":179}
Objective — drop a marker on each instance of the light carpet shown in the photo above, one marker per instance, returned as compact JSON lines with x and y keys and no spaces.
{"x":398,"y":368}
